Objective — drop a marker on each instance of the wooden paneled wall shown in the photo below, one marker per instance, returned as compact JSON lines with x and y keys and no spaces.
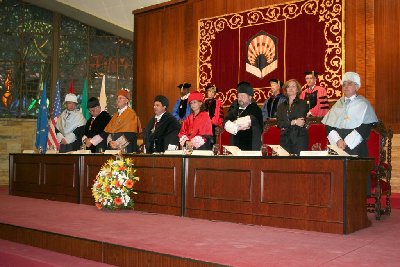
{"x":387,"y":47}
{"x":166,"y":48}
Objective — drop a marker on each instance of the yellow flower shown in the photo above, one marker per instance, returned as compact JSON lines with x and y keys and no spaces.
{"x":129,"y":161}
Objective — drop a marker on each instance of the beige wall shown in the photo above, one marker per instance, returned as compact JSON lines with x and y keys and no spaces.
{"x":15,"y":135}
{"x":396,"y":163}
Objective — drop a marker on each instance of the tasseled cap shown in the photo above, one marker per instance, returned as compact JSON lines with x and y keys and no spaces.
{"x":124,"y":92}
{"x":211,"y":86}
{"x":195,"y":95}
{"x":274,"y":80}
{"x":246,"y":88}
{"x":353,"y":77}
{"x":312,"y":72}
{"x":71,"y":98}
{"x":184,"y":85}
{"x":93,"y":102}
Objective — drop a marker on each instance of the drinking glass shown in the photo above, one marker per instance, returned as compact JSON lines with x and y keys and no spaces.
{"x":316,"y":147}
{"x":216,"y":149}
{"x":265,"y":150}
{"x":188,"y":148}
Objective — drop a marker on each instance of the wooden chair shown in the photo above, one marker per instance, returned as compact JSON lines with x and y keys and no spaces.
{"x":380,"y":148}
{"x":223,"y":138}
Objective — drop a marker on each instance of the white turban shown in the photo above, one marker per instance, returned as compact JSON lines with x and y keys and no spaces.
{"x":71,"y":98}
{"x":353,"y":77}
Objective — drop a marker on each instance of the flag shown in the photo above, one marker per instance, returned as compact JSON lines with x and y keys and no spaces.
{"x":103,"y":96}
{"x":71,"y":87}
{"x":42,"y":128}
{"x":84,"y":100}
{"x":55,"y":113}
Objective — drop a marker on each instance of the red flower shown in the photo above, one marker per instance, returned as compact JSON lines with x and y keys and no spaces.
{"x":98,"y":205}
{"x":118,"y":201}
{"x":117,"y":185}
{"x":122,"y":168}
{"x":107,"y":189}
{"x":129,"y":183}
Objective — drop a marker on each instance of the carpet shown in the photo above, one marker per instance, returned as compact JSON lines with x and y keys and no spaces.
{"x":212,"y":241}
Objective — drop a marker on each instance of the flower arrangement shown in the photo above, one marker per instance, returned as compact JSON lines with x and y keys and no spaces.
{"x":113,"y":186}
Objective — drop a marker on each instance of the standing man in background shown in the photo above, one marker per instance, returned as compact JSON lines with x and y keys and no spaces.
{"x":182,"y":108}
{"x":315,"y":96}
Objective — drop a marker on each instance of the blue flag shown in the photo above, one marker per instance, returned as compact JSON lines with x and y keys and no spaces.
{"x":42,"y":128}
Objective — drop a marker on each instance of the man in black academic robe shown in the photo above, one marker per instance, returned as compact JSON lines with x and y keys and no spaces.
{"x":244,"y":121}
{"x":162,"y":129}
{"x":94,"y":127}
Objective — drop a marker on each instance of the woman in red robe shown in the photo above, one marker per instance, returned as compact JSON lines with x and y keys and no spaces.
{"x":196,"y":130}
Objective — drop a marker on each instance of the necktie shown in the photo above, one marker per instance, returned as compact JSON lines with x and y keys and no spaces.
{"x":154,"y":126}
{"x":91,"y":123}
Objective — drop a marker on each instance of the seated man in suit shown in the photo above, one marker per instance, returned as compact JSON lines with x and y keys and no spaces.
{"x":95,"y":126}
{"x":349,"y":122}
{"x":162,"y":129}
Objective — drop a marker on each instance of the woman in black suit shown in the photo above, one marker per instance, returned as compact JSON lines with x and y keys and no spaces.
{"x":291,"y":119}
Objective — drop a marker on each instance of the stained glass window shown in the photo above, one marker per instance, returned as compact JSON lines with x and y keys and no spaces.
{"x":26,"y":58}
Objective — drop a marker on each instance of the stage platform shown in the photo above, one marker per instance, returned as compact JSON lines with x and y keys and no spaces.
{"x":133,"y":238}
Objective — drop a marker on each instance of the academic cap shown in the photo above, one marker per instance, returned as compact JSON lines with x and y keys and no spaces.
{"x":195,"y":95}
{"x":184,"y":85}
{"x":246,"y":88}
{"x":312,"y":72}
{"x":210,"y":85}
{"x":353,"y":77}
{"x":124,"y":92}
{"x":93,"y":102}
{"x":274,"y":80}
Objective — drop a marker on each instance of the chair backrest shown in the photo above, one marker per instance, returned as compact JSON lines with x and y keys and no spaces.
{"x":271,"y":135}
{"x":223,"y":139}
{"x":378,"y":139}
{"x":374,"y":146}
{"x":317,"y":134}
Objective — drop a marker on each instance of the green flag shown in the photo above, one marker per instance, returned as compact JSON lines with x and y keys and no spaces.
{"x":84,"y":109}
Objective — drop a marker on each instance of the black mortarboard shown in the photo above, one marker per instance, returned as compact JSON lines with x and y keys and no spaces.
{"x":162,"y":99}
{"x":274,"y":80}
{"x":312,"y":72}
{"x":184,"y":85}
{"x":246,"y":88}
{"x":93,"y":102}
{"x":210,"y":85}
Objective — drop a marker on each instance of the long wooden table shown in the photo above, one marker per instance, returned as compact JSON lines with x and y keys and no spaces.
{"x":319,"y":194}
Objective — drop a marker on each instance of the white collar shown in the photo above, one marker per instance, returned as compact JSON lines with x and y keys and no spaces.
{"x":185,"y":96}
{"x":351,"y":97}
{"x":122,"y":110}
{"x":158,"y":117}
